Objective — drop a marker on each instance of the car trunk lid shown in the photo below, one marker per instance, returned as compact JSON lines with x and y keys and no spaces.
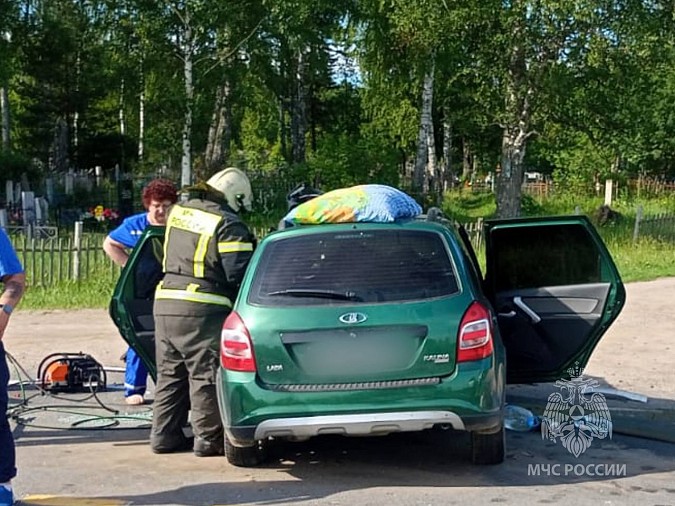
{"x":383,"y":343}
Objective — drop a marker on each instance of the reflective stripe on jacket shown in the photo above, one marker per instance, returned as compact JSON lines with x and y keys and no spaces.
{"x":206,"y":251}
{"x":192,"y":295}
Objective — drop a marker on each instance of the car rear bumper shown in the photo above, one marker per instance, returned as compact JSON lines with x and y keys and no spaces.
{"x":361,"y":425}
{"x":469,"y":400}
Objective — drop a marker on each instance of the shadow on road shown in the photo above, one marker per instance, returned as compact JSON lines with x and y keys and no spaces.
{"x":653,"y":419}
{"x":329,"y":465}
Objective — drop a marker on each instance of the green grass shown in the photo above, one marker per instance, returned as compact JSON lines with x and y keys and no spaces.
{"x":644,"y":260}
{"x":465,"y":206}
{"x":93,"y":292}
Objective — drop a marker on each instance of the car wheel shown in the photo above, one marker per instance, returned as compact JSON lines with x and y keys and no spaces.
{"x":249,"y":456}
{"x":487,"y":449}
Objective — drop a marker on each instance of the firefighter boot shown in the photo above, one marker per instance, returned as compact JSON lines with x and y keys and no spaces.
{"x":204,"y":448}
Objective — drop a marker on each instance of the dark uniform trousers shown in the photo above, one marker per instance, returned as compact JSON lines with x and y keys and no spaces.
{"x":187,"y":350}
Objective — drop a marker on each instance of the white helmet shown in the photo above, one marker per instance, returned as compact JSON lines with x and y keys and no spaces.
{"x":234,"y":184}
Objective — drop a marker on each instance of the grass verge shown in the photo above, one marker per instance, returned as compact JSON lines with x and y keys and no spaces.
{"x":94,"y":292}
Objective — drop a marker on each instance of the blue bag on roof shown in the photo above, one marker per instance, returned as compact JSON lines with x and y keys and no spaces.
{"x":369,"y":202}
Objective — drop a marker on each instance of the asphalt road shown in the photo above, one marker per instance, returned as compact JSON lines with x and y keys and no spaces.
{"x":72,"y":451}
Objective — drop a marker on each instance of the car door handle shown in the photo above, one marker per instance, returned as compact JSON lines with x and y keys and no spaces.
{"x":526,"y":309}
{"x":510,"y":314}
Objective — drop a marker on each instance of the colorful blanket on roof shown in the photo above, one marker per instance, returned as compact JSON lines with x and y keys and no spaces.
{"x":369,"y":202}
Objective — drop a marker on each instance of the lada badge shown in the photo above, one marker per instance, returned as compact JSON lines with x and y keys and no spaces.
{"x":353,"y":318}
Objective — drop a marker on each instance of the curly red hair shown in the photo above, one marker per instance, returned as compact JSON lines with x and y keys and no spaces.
{"x":160,"y":190}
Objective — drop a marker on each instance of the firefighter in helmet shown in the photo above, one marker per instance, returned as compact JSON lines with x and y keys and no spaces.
{"x":207,"y":248}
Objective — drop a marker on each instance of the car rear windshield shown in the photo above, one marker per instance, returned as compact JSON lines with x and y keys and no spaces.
{"x":353,"y":267}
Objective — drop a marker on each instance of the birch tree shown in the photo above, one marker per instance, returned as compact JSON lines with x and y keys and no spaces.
{"x":8,"y":19}
{"x":127,"y":31}
{"x":425,"y":162}
{"x":405,"y":46}
{"x":220,"y":128}
{"x":5,"y":116}
{"x":236,"y":39}
{"x":534,"y":40}
{"x":186,"y":42}
{"x":12,"y":39}
{"x":299,"y":34}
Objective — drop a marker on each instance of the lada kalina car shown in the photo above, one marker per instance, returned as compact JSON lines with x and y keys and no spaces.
{"x":373,"y":328}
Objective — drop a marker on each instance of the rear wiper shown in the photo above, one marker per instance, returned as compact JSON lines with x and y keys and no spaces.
{"x":324,"y":294}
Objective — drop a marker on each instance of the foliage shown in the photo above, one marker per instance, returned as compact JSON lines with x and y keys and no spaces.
{"x":14,"y":166}
{"x":259,"y":136}
{"x":530,"y":206}
{"x":341,"y":160}
{"x":91,"y":83}
{"x":107,"y":150}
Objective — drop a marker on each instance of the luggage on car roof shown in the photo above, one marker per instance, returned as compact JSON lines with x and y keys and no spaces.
{"x":363,"y":203}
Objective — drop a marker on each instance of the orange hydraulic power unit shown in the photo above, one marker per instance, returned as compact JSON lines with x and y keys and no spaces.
{"x":71,"y":372}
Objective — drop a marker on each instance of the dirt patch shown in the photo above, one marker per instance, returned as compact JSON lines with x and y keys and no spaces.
{"x":32,"y":335}
{"x":638,"y":351}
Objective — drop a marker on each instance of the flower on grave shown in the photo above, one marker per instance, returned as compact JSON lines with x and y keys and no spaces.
{"x":103,"y":214}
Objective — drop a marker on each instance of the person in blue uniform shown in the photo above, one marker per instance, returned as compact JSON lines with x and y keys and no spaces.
{"x":158,"y":196}
{"x":14,"y":283}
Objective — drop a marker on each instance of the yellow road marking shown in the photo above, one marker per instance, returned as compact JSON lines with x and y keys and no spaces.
{"x":53,"y":500}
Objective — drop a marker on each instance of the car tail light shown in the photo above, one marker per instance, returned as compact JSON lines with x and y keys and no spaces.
{"x":236,"y":349}
{"x":475,"y":334}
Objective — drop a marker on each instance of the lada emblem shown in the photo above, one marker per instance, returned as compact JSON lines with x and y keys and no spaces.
{"x":353,"y":318}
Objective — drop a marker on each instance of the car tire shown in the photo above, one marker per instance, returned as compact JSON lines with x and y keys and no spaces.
{"x":248,"y":456}
{"x":488,"y":449}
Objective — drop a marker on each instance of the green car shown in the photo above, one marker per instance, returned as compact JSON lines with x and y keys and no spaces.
{"x":372,"y":328}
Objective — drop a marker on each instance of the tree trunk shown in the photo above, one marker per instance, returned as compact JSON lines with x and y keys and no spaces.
{"x":226,"y":132}
{"x":76,"y":112}
{"x":59,"y":149}
{"x":616,"y":164}
{"x":420,"y":162}
{"x":213,"y":129}
{"x":509,"y":182}
{"x":282,"y":129}
{"x":299,"y":118}
{"x":448,"y":173}
{"x":514,"y":137}
{"x":285,"y":104}
{"x":431,"y":181}
{"x":5,"y":115}
{"x":120,"y":110}
{"x":186,"y":157}
{"x":467,"y":160}
{"x":425,"y":163}
{"x":214,"y":155}
{"x":141,"y":114}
